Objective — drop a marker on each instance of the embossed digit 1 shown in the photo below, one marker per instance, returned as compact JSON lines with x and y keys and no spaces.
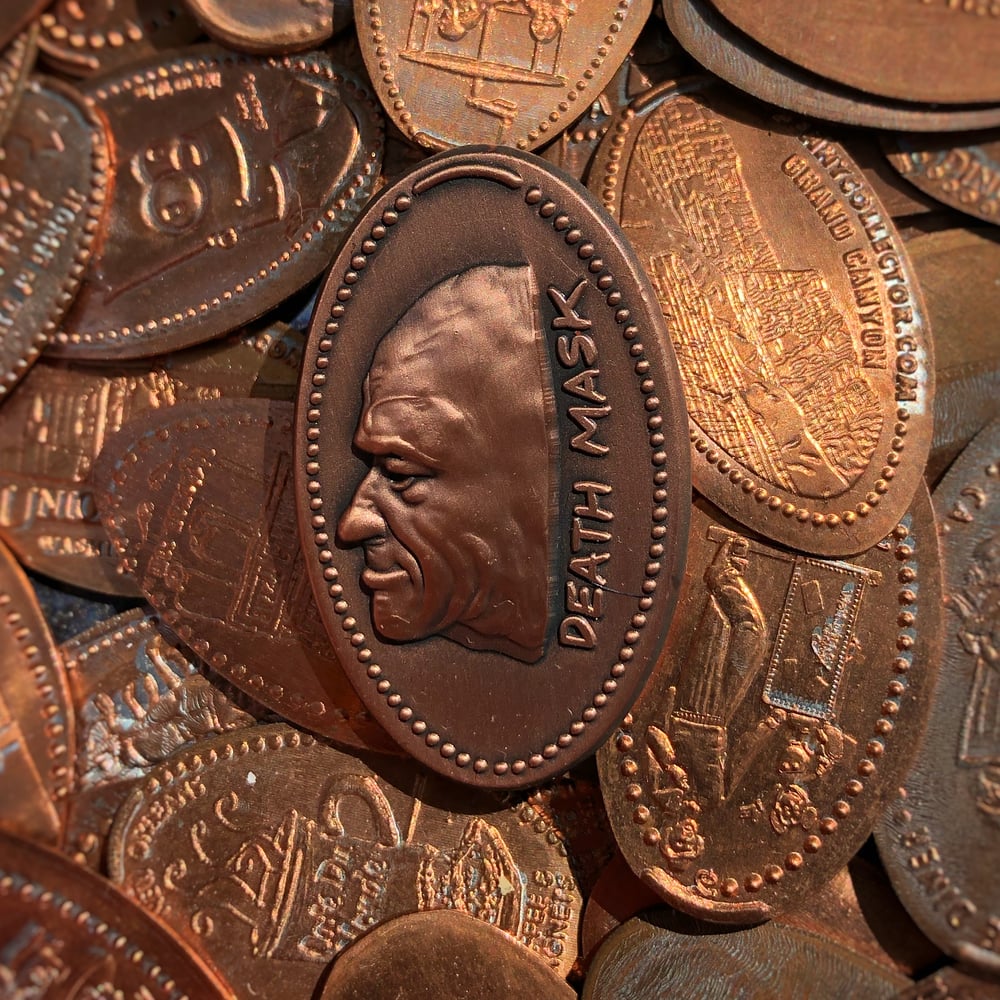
{"x":174,"y":197}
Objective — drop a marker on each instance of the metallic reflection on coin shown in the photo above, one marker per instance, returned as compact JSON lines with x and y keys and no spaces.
{"x":66,"y":934}
{"x":16,"y":61}
{"x":270,"y":853}
{"x":939,"y":839}
{"x":664,"y":954}
{"x":788,"y":703}
{"x":440,"y":956}
{"x":807,"y":364}
{"x":16,"y":15}
{"x":268,"y":27}
{"x":951,"y":984}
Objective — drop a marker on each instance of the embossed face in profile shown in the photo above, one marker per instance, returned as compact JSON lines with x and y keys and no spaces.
{"x":454,"y":514}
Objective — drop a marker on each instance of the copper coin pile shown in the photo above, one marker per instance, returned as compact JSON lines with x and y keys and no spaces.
{"x":499,"y":498}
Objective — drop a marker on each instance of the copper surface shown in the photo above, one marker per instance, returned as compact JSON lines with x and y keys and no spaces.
{"x":15,"y":15}
{"x":52,"y":429}
{"x":938,"y":839}
{"x":437,"y":955}
{"x":951,"y":984}
{"x":807,"y":368}
{"x":665,"y":955}
{"x":234,"y":179}
{"x":137,"y":699}
{"x":85,"y":38}
{"x":199,"y":505}
{"x":66,"y":934}
{"x":497,"y":608}
{"x":935,"y":51}
{"x":36,"y":721}
{"x":270,"y":853}
{"x":737,"y":58}
{"x":786,"y":708}
{"x":17,"y":59}
{"x":509,"y":72}
{"x":963,"y":172}
{"x":266,"y":26}
{"x":53,"y":179}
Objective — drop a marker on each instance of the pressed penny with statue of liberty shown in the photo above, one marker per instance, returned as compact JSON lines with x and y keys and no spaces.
{"x":492,"y":467}
{"x":788,"y":702}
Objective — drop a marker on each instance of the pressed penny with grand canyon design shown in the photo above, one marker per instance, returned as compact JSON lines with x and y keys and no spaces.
{"x":939,"y":840}
{"x":270,"y":853}
{"x":787,"y":704}
{"x":806,"y":363}
{"x":492,"y":467}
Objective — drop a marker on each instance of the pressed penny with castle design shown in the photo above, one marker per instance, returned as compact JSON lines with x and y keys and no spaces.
{"x":939,"y":840}
{"x":807,"y":368}
{"x":786,"y":706}
{"x":270,"y":853}
{"x":492,"y":471}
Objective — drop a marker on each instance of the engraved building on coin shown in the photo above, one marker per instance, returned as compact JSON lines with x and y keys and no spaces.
{"x":492,"y":490}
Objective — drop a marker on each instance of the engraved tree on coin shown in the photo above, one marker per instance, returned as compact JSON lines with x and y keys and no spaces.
{"x":770,"y":368}
{"x":978,"y":607}
{"x":455,"y":526}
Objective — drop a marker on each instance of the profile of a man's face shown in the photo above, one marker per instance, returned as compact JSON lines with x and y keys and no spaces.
{"x":454,"y":514}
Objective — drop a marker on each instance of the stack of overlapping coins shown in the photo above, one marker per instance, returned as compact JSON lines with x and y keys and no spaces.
{"x":426,"y":576}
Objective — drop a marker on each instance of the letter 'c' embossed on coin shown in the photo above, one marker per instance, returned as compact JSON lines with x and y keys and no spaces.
{"x":806,"y":363}
{"x":492,"y":468}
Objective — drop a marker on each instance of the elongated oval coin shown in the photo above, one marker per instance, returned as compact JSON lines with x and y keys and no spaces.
{"x":267,"y":26}
{"x":234,"y":179}
{"x":199,"y":505}
{"x":53,"y":179}
{"x":939,"y":839}
{"x":270,"y":853}
{"x":807,"y":366}
{"x":788,"y":702}
{"x":491,"y":469}
{"x":66,"y":934}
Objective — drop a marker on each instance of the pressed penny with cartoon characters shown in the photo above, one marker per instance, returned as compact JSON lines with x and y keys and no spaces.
{"x":787,"y":704}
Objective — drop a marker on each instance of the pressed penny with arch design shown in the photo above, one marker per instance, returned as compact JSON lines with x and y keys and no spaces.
{"x":492,"y":471}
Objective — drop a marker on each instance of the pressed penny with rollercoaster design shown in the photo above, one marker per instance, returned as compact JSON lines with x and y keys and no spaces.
{"x":492,"y":471}
{"x":199,"y":504}
{"x":68,"y":935}
{"x":807,"y":365}
{"x":939,"y":839}
{"x":234,"y":179}
{"x":270,"y":853}
{"x":786,"y":706}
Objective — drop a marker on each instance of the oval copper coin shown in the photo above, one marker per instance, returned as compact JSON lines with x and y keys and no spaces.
{"x":17,"y":14}
{"x":951,"y":984}
{"x":66,"y":934}
{"x":440,"y":955}
{"x":939,"y":839}
{"x":807,"y":366}
{"x":491,"y":468}
{"x":199,"y":504}
{"x":266,"y":26}
{"x":513,"y":73}
{"x":741,"y":61}
{"x":934,"y":51}
{"x":53,"y":177}
{"x":271,"y":853}
{"x":234,"y":179}
{"x":787,"y":704}
{"x":963,"y":172}
{"x":16,"y":61}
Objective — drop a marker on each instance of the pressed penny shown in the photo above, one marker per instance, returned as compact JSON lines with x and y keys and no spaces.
{"x":267,"y":26}
{"x":137,"y":699}
{"x":16,"y":61}
{"x":17,"y":15}
{"x":66,"y":934}
{"x":497,"y":608}
{"x":738,"y":59}
{"x":962,"y":172}
{"x":512,"y":74}
{"x":199,"y":505}
{"x":786,"y":706}
{"x":53,"y":427}
{"x":234,"y":180}
{"x":807,"y":366}
{"x":939,"y":839}
{"x":951,"y":984}
{"x":440,"y":954}
{"x":53,"y":178}
{"x":86,"y":38}
{"x":664,"y":955}
{"x":271,"y":853}
{"x":36,"y":720}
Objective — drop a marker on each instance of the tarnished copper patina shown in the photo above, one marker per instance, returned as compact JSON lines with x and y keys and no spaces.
{"x":269,"y":27}
{"x":16,"y":61}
